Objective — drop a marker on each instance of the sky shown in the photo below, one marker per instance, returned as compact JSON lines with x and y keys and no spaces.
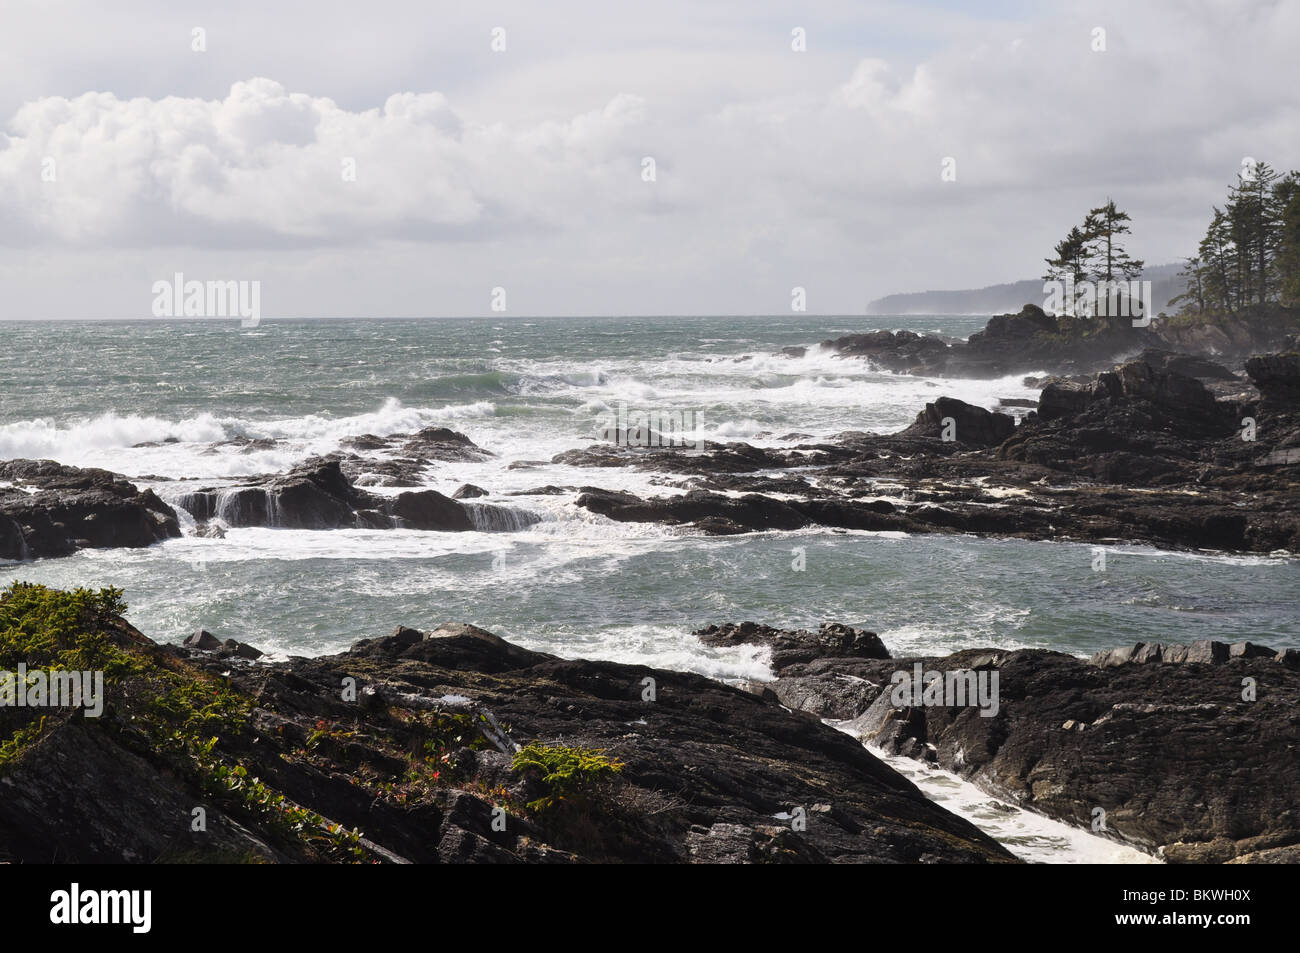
{"x":384,"y":159}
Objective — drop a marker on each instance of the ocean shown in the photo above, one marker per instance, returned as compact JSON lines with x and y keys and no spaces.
{"x":158,"y":400}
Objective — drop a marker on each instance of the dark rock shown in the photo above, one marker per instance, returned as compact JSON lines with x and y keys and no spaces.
{"x":1277,"y":376}
{"x":709,"y":772}
{"x":407,"y":636}
{"x":428,"y":510}
{"x":318,"y":495}
{"x":972,"y":425}
{"x":203,"y":640}
{"x":75,"y":508}
{"x":792,"y":647}
{"x":239,"y":649}
{"x":468,"y":491}
{"x":439,"y":443}
{"x":1250,"y":650}
{"x":1175,"y":756}
{"x":1188,"y":365}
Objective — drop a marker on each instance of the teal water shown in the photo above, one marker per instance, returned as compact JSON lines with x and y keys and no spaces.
{"x":574,"y":583}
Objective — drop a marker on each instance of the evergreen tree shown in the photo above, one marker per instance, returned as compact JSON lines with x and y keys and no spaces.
{"x":1250,"y":254}
{"x":1103,"y":226}
{"x":1192,"y":300}
{"x":1071,"y":262}
{"x":1287,"y":261}
{"x":1219,"y":276}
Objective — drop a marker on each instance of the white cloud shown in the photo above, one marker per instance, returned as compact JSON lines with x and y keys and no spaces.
{"x":774,"y":168}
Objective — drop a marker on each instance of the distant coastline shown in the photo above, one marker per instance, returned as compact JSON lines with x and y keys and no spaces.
{"x":1008,"y":297}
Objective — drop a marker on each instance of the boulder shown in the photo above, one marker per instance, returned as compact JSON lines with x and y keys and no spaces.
{"x":973,"y":426}
{"x":73,"y":508}
{"x":203,"y":640}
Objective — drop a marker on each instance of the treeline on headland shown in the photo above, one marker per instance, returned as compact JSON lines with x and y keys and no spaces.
{"x":1250,"y":254}
{"x":1248,"y":259}
{"x":1247,"y":262}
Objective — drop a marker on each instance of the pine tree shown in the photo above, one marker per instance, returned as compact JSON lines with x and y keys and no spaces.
{"x":1070,"y":264}
{"x":1255,"y":221}
{"x":1219,"y":276}
{"x":1286,"y":263}
{"x":1250,"y":255}
{"x":1192,"y":300}
{"x":1103,"y":226}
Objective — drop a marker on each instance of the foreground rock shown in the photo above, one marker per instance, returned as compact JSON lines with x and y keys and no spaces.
{"x":53,"y":510}
{"x":1162,"y":738}
{"x":423,"y":763}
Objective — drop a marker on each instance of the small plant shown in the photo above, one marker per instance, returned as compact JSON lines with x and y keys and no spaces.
{"x":178,"y":712}
{"x":569,"y":773}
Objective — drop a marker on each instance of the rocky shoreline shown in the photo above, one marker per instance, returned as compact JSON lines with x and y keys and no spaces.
{"x":1139,"y":453}
{"x":1187,"y":752}
{"x":454,"y":745}
{"x":1170,"y":449}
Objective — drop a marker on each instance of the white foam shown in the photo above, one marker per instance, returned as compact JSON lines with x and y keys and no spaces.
{"x":1030,"y":836}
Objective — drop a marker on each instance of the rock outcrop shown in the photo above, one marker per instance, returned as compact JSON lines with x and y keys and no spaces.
{"x":423,"y":763}
{"x":317,"y":495}
{"x":970,"y":425}
{"x":1188,"y":750}
{"x":1139,"y":452}
{"x":1010,"y":343}
{"x":1032,"y":340}
{"x":49,"y":509}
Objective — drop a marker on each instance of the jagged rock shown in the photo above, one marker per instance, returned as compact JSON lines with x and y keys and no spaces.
{"x":972,"y":425}
{"x":709,"y":772}
{"x":428,"y":510}
{"x":74,"y":508}
{"x":1277,"y":376}
{"x":1009,"y":343}
{"x":790,"y":647}
{"x":1188,"y":365}
{"x":317,"y":495}
{"x":239,"y":649}
{"x":203,"y":640}
{"x":439,"y":443}
{"x":1201,"y":773}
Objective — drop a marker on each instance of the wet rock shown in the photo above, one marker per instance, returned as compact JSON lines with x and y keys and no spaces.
{"x":467,"y":491}
{"x":1150,"y":733}
{"x":971,"y":425}
{"x":239,"y":650}
{"x":318,"y":495}
{"x":74,"y":508}
{"x":203,"y":640}
{"x":439,"y":443}
{"x":1277,"y":376}
{"x":708,"y":772}
{"x":791,"y":647}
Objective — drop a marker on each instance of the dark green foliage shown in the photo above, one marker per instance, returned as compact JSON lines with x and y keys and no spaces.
{"x":1250,"y":254}
{"x":568,"y":773}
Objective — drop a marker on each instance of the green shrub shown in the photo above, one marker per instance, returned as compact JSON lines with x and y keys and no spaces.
{"x":568,"y":773}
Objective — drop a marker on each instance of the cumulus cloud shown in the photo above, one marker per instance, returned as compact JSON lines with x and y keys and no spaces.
{"x":774,"y":167}
{"x":278,"y":164}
